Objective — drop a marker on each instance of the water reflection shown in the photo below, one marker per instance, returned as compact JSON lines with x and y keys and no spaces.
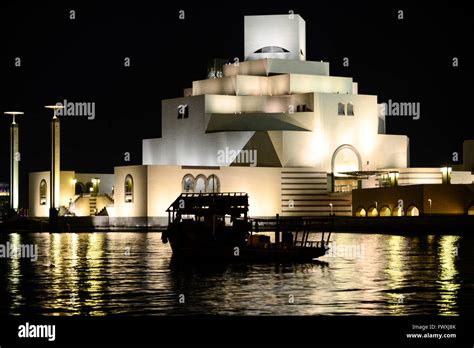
{"x":133,"y":273}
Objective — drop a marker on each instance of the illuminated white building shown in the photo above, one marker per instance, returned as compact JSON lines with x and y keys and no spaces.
{"x":276,"y":126}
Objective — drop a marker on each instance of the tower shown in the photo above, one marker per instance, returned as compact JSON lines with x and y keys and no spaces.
{"x":55,"y":161}
{"x":14,"y":160}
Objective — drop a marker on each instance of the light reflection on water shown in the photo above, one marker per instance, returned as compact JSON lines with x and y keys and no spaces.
{"x":131,"y":273}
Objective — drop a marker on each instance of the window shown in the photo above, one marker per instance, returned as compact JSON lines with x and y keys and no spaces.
{"x":372,"y":212}
{"x":183,"y":111}
{"x":43,"y":190}
{"x":361,"y":212}
{"x":212,"y":184}
{"x":341,"y":109}
{"x":200,"y":184}
{"x":128,"y":189}
{"x":350,"y":109}
{"x":188,"y":183}
{"x":413,"y":210}
{"x":385,"y":211}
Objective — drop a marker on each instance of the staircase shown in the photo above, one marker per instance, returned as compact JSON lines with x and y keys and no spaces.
{"x":92,"y":205}
{"x":304,"y":192}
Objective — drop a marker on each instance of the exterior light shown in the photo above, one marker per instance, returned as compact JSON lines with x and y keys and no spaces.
{"x":54,"y":107}
{"x":431,"y":203}
{"x":330,"y":206}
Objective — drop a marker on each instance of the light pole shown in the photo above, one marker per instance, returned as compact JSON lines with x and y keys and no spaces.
{"x":430,"y":203}
{"x":330,"y":206}
{"x":55,"y":173}
{"x":14,"y":159}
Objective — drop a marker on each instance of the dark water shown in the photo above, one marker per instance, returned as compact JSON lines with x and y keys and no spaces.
{"x":131,"y":273}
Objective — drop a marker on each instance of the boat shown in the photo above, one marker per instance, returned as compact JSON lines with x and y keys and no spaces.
{"x":216,"y":227}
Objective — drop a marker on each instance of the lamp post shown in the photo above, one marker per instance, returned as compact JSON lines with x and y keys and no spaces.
{"x":55,"y":161}
{"x":430,"y":203}
{"x":14,"y":159}
{"x":330,"y":206}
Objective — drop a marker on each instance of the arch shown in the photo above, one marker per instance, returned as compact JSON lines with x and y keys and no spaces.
{"x":187,"y":184}
{"x":272,"y":49}
{"x":79,"y":188}
{"x":213,"y":184}
{"x":470,"y":211}
{"x":43,"y":189}
{"x":88,"y":186}
{"x":385,"y":211}
{"x":360,"y":211}
{"x":372,"y":212}
{"x":339,"y":149}
{"x":413,"y":210}
{"x":128,"y":188}
{"x":397,"y":211}
{"x":200,"y":184}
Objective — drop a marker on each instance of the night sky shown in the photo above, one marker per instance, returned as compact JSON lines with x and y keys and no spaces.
{"x":82,"y":60}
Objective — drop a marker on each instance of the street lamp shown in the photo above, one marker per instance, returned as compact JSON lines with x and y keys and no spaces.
{"x":330,"y":206}
{"x":430,"y":202}
{"x":14,"y":159}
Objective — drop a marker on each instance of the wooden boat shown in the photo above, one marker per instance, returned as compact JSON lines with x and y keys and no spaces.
{"x":214,"y":227}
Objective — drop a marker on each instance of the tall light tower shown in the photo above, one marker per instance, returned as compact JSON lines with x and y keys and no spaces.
{"x":55,"y":161}
{"x":14,"y":159}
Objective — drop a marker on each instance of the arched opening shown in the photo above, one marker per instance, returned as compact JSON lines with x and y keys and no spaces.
{"x":43,"y":188}
{"x":361,"y":212}
{"x":128,"y":183}
{"x":213,"y":184}
{"x":345,"y":159}
{"x":413,"y":210}
{"x":187,"y":183}
{"x":200,"y":184}
{"x":397,"y":211}
{"x":372,"y":212}
{"x":471,"y":210}
{"x":79,"y":188}
{"x":88,"y":187}
{"x":385,"y":211}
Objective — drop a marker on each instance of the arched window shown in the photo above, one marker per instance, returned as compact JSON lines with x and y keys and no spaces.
{"x":341,"y":109}
{"x":361,"y":212}
{"x":350,"y":109}
{"x":213,"y":184}
{"x":372,"y":212}
{"x":385,"y":211}
{"x":413,"y":210}
{"x":43,"y":189}
{"x":397,"y":211}
{"x":187,"y":183}
{"x":128,"y":189}
{"x":200,"y":184}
